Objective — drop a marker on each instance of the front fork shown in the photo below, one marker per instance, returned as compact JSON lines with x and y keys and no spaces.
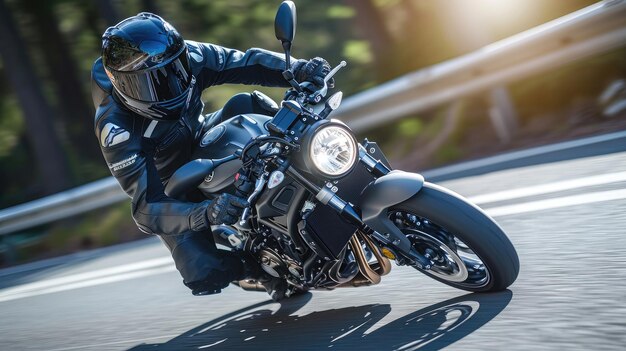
{"x":390,"y":188}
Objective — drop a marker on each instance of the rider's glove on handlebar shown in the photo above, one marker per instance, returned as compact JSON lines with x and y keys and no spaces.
{"x":226,"y":209}
{"x":313,"y":71}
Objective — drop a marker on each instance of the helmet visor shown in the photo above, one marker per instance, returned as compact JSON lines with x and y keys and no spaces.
{"x":156,"y":84}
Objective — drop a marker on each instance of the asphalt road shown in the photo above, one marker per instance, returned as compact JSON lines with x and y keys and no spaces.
{"x":567,"y":219}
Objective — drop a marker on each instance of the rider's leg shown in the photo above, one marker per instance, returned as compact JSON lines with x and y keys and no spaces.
{"x":204,"y":268}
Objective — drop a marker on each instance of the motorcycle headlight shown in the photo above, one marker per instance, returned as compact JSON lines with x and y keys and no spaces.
{"x":333,"y":150}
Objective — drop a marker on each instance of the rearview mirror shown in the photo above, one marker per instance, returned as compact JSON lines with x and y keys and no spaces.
{"x":285,"y":23}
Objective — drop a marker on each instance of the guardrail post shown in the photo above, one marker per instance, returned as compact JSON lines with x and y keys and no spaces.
{"x":502,"y":114}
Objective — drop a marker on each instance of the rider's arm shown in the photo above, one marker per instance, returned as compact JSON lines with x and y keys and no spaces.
{"x":220,"y":65}
{"x":128,"y":156}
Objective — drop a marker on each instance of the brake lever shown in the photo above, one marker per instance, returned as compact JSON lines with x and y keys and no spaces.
{"x":334,"y":71}
{"x":317,"y":96}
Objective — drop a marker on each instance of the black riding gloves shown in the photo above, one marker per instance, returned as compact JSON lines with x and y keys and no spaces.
{"x":314,"y":71}
{"x":226,"y":209}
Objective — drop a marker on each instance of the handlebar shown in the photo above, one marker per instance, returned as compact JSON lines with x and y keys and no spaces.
{"x":307,"y":91}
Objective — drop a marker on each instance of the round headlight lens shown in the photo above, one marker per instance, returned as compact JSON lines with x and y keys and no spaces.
{"x":333,"y":150}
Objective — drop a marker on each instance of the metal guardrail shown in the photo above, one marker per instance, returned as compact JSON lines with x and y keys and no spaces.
{"x":78,"y":200}
{"x":592,"y":30}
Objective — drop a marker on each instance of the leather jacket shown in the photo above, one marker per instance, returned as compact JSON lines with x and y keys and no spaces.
{"x":142,"y":154}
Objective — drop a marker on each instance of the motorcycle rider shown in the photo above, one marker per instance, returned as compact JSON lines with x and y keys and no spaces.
{"x":146,"y":89}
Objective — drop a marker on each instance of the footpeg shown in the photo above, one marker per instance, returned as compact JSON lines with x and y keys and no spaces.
{"x":203,"y":292}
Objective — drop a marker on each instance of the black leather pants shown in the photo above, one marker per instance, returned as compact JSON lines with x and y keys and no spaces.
{"x":200,"y":263}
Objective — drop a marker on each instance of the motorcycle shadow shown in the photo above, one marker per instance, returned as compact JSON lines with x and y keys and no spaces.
{"x":273,"y":326}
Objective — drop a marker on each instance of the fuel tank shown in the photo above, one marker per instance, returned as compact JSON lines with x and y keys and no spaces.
{"x":225,"y":139}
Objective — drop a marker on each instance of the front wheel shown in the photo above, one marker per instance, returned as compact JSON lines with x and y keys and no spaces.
{"x":468,"y":249}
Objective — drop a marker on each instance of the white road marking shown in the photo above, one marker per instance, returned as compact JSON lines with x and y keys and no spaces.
{"x":215,"y":343}
{"x":565,"y":201}
{"x":80,"y":256}
{"x":71,"y":279}
{"x":549,"y":188}
{"x":87,"y":283}
{"x":350,"y":331}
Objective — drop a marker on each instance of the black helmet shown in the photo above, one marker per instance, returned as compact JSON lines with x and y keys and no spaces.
{"x":146,"y":61}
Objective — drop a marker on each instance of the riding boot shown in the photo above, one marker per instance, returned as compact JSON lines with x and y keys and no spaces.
{"x":205,"y":269}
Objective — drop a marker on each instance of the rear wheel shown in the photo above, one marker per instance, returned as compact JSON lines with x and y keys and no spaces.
{"x":468,"y":249}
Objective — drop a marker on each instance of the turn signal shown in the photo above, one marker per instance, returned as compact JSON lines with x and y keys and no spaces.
{"x":387,"y":253}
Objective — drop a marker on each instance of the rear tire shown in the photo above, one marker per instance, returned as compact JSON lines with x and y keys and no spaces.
{"x":448,"y":214}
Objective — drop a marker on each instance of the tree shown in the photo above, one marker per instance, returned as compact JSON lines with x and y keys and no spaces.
{"x":37,"y":113}
{"x":372,"y":22}
{"x":108,"y":12}
{"x":72,"y":105}
{"x":149,"y":6}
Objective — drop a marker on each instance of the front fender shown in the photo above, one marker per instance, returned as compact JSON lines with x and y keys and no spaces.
{"x":387,"y":191}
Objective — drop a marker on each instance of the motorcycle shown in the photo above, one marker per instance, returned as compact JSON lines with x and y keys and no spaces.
{"x":328,"y":212}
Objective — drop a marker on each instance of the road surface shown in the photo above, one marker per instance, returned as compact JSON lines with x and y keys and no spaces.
{"x":566,"y":217}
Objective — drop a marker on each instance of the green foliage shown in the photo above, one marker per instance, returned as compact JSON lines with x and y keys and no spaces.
{"x":340,"y":11}
{"x":11,"y":125}
{"x":447,"y":153}
{"x":244,"y":24}
{"x":102,"y":227}
{"x":410,"y":127}
{"x":358,"y":51}
{"x":386,"y":3}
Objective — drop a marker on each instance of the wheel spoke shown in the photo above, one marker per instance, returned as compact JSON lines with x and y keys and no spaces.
{"x":453,"y":260}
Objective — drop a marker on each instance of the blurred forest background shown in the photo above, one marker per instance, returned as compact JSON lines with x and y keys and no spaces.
{"x":47,"y":47}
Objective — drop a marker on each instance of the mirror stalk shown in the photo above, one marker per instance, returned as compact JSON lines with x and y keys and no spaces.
{"x":285,"y":30}
{"x":287,"y":48}
{"x":287,"y":74}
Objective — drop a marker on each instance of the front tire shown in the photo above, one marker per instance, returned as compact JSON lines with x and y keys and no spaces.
{"x":469,"y":250}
